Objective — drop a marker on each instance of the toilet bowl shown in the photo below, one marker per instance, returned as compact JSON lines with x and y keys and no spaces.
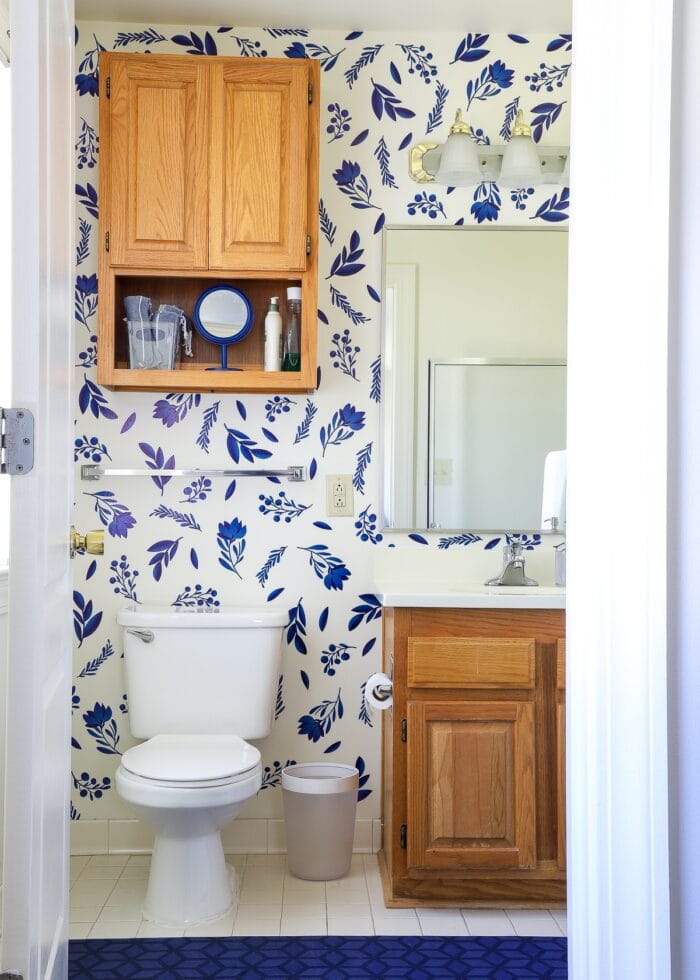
{"x":198,"y":686}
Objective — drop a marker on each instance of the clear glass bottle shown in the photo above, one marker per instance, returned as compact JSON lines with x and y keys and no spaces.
{"x":291,"y":357}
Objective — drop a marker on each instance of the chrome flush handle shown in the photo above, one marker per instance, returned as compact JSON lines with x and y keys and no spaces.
{"x":145,"y":635}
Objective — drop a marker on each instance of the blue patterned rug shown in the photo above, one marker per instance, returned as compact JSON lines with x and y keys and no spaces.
{"x":324,"y":957}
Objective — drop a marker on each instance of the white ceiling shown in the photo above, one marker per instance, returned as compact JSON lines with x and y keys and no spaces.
{"x":513,"y":16}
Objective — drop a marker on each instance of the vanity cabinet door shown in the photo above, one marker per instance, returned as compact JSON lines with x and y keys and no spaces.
{"x":471,"y":785}
{"x":258,"y":170}
{"x":153,"y":193}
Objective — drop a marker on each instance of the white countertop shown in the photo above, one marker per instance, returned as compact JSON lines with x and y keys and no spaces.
{"x":436,"y":595}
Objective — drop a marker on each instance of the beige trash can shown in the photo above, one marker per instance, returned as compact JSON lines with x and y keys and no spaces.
{"x":320,"y":800}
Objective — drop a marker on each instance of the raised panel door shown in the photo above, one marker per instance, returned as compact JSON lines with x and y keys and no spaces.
{"x":471,"y":785}
{"x":155,"y":143}
{"x":258,"y":170}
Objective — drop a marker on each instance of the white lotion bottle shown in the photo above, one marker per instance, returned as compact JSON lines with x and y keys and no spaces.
{"x":273,"y":336}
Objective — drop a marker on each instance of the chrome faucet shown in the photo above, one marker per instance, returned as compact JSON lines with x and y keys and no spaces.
{"x":513,"y":572}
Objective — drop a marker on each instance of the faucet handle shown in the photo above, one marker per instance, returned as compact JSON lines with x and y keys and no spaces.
{"x":513,"y":549}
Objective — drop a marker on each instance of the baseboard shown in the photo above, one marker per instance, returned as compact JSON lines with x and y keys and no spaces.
{"x":259,"y":836}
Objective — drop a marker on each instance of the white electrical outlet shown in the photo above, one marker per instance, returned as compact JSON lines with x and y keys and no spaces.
{"x":340,"y":501}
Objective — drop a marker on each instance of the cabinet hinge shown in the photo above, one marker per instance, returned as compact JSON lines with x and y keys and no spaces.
{"x":16,"y":441}
{"x":107,"y":241}
{"x":308,"y":244}
{"x":404,"y":730}
{"x":108,"y":87}
{"x":311,"y":92}
{"x":402,"y":836}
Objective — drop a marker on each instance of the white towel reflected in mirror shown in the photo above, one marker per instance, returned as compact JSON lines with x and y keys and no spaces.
{"x":554,"y":491}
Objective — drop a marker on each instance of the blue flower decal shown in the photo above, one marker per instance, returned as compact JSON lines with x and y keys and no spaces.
{"x":231,"y":541}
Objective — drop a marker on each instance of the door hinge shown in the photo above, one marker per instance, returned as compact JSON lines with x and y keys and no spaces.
{"x":107,"y":241}
{"x":308,"y":244}
{"x":402,"y":836}
{"x":311,"y":92}
{"x":404,"y":730}
{"x":16,"y":441}
{"x":108,"y":87}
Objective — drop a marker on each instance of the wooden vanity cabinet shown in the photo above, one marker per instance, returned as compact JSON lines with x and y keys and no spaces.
{"x":208,"y":172}
{"x":473,"y":758}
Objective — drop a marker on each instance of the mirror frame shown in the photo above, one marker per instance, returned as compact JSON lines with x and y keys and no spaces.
{"x":384,"y":421}
{"x":202,"y":330}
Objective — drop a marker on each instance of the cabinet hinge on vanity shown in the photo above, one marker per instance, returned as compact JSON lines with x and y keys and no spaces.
{"x":308,"y":244}
{"x":311,"y":92}
{"x":404,"y":730}
{"x":402,"y":836}
{"x":107,"y":241}
{"x":108,"y":88}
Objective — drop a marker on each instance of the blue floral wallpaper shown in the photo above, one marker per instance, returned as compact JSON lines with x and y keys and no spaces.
{"x":205,"y":542}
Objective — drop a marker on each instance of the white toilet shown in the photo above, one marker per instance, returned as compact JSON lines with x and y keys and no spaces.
{"x":199,"y":684}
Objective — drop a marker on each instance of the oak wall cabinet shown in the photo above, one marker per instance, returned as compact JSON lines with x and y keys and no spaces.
{"x":208,"y":173}
{"x":473,"y":793}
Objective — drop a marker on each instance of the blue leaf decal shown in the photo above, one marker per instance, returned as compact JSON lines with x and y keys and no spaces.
{"x":373,"y":293}
{"x":491,"y":544}
{"x":323,"y":526}
{"x":353,"y":36}
{"x":405,"y":141}
{"x":91,"y":570}
{"x":518,"y":38}
{"x":418,"y":538}
{"x":379,"y":223}
{"x":394,"y":72}
{"x":274,"y":594}
{"x":128,"y":424}
{"x":368,"y":646}
{"x":312,"y":469}
{"x":360,"y":138}
{"x":230,"y":490}
{"x":323,"y":619}
{"x":332,"y":748}
{"x":269,"y":435}
{"x":194,"y":558}
{"x":241,"y":410}
{"x":304,"y":679}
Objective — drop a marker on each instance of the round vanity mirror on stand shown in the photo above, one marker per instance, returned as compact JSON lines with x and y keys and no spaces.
{"x":223,"y":315}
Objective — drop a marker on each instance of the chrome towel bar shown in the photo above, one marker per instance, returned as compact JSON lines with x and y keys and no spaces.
{"x":92,"y":471}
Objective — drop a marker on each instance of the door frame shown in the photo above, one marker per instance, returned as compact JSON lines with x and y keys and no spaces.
{"x":617,"y":742}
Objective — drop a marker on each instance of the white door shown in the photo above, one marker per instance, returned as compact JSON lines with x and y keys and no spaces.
{"x":35,"y":880}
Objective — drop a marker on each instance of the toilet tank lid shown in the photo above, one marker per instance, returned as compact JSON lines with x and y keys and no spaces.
{"x":222,"y":617}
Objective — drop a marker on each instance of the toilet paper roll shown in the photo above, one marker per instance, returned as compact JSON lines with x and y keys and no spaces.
{"x":375,"y":692}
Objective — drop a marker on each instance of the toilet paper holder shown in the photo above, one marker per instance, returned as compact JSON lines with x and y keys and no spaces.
{"x":383,"y":692}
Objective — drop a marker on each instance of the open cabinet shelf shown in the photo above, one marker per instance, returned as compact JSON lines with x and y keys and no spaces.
{"x":198,"y":373}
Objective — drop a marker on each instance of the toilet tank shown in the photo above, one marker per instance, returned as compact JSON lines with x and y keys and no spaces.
{"x":202,"y":672}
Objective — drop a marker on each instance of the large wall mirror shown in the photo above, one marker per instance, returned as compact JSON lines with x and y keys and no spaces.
{"x":474,"y":374}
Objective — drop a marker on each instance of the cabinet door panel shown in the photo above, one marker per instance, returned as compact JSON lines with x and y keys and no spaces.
{"x":471,"y":785}
{"x":157,"y":162}
{"x":259,"y":148}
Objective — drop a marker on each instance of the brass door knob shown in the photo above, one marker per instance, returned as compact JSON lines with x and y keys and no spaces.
{"x":93,"y":542}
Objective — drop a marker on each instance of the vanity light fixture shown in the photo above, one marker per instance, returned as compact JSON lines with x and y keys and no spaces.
{"x":460,"y":162}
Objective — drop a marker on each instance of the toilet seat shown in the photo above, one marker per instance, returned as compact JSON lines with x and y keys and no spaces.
{"x":192,"y":761}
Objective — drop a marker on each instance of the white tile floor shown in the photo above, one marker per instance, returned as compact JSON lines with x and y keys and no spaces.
{"x":107,"y":891}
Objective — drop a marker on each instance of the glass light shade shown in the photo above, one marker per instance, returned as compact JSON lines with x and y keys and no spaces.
{"x":459,"y":162}
{"x":521,"y":165}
